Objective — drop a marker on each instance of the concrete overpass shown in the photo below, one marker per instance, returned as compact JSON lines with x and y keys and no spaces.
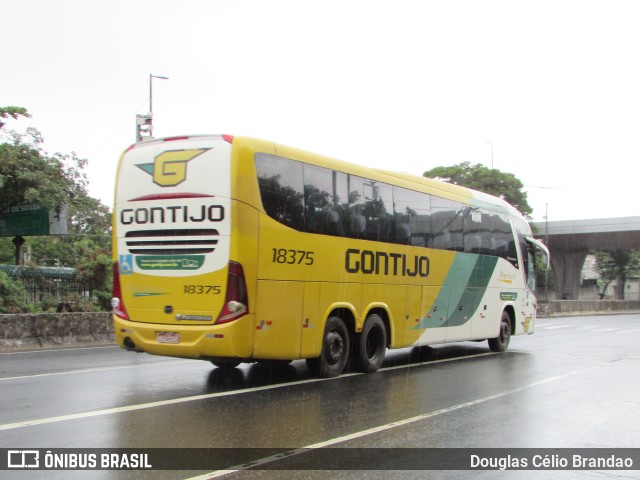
{"x":570,"y":241}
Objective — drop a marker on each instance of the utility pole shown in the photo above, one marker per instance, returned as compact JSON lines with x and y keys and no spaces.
{"x":546,"y":242}
{"x":144,"y":123}
{"x":491,"y":145}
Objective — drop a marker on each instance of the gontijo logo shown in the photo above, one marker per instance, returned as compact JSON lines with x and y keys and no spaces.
{"x":170,"y":168}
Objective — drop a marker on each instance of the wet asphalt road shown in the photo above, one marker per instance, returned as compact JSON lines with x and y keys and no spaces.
{"x":575,"y":383}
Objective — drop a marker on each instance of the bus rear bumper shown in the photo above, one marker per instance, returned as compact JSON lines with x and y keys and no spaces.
{"x":233,"y":339}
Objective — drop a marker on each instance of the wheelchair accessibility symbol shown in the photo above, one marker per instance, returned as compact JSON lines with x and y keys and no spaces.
{"x":126,"y":264}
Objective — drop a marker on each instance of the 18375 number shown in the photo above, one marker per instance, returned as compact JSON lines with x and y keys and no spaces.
{"x":202,"y":289}
{"x":292,"y":257}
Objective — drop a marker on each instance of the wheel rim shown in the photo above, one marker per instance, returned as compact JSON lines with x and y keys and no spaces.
{"x":374,"y":339}
{"x":504,"y":333}
{"x":335,"y":347}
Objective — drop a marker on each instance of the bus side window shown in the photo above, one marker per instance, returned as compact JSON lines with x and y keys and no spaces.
{"x":502,"y":240}
{"x":412,"y":211}
{"x":447,"y":224}
{"x":370,"y":210}
{"x":325,"y":195}
{"x":521,"y":231}
{"x":280,"y":182}
{"x":477,"y":231}
{"x":531,"y":267}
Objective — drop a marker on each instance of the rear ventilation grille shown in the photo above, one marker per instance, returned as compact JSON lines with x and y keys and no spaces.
{"x":172,"y":242}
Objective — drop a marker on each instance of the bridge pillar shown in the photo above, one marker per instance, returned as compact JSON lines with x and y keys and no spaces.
{"x":567,"y":266}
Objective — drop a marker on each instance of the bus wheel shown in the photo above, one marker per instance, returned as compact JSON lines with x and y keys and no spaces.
{"x":225,"y":363}
{"x":335,"y":350}
{"x":501,"y":342}
{"x":372,"y":344}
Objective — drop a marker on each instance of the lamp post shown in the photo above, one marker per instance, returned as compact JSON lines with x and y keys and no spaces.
{"x":144,"y":123}
{"x":151,"y":77}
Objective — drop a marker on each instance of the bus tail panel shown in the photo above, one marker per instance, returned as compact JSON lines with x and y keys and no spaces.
{"x":187,"y":341}
{"x":172,"y":230}
{"x":150,"y":299}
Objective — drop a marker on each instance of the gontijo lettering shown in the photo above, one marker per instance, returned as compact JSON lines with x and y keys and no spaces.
{"x":386,"y":263}
{"x":172,"y":214}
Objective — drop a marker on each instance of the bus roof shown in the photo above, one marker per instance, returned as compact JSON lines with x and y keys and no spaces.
{"x":410,"y":181}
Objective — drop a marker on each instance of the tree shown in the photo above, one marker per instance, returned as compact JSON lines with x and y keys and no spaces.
{"x":13,"y":112}
{"x":484,"y":179}
{"x":607,"y":271}
{"x":617,"y":265}
{"x":29,"y":175}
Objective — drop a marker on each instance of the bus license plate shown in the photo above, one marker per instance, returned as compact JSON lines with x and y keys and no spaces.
{"x":168,"y":337}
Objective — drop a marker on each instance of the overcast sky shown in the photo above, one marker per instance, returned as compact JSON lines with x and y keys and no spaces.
{"x":546,"y":90}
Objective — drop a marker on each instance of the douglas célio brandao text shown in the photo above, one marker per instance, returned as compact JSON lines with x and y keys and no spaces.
{"x":551,"y":462}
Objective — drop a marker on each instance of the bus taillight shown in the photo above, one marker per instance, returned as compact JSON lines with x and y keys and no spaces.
{"x":116,"y":301}
{"x":236,"y":303}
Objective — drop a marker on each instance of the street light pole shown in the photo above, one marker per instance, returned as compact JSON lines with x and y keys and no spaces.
{"x":144,"y":123}
{"x":151,"y":77}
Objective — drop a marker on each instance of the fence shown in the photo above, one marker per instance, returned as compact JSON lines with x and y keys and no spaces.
{"x":46,"y":283}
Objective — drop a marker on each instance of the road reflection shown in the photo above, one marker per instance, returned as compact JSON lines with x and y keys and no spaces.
{"x":255,"y":375}
{"x":262,"y":374}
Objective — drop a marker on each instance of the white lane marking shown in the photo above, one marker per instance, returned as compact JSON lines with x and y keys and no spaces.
{"x":162,"y":403}
{"x":554,"y":327}
{"x":382,"y":428}
{"x":97,"y":369}
{"x":52,"y":350}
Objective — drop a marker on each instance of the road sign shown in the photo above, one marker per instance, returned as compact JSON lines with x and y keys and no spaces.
{"x":32,"y":219}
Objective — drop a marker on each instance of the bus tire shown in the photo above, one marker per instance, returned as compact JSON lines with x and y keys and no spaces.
{"x":501,"y":342}
{"x":335,"y":350}
{"x":371,"y":344}
{"x":226,"y":363}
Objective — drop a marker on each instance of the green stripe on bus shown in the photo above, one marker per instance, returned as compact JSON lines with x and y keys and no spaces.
{"x":464,"y":286}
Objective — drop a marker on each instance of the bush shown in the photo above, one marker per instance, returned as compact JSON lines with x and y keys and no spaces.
{"x":13,"y":295}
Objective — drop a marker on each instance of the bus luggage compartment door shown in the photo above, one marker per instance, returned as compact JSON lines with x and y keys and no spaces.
{"x":278,"y":320}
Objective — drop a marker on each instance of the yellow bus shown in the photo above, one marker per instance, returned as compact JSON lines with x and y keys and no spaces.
{"x":232,"y":249}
